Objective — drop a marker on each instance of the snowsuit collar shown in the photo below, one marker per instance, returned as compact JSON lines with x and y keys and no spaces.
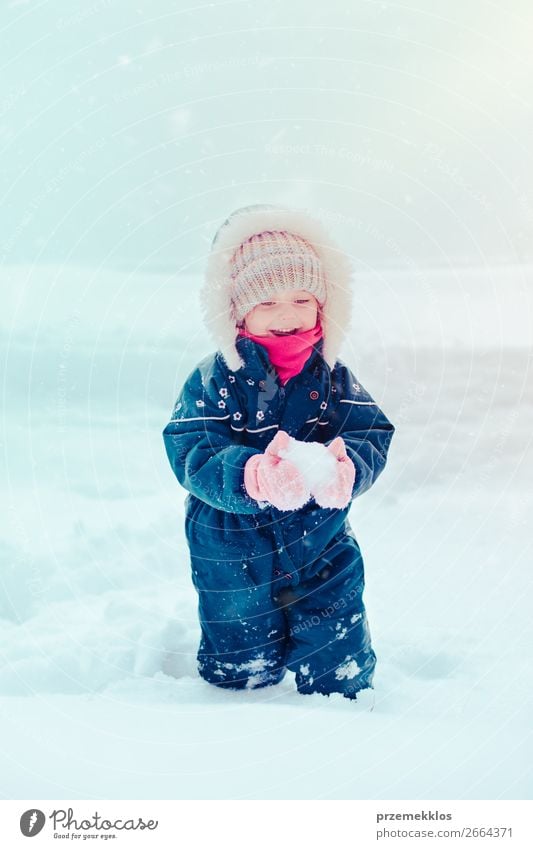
{"x":257,"y":361}
{"x":309,"y":390}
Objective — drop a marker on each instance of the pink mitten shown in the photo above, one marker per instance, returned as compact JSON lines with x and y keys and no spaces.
{"x":337,"y":493}
{"x":268,"y":477}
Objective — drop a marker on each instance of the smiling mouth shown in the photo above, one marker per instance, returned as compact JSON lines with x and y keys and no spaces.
{"x":284,"y":332}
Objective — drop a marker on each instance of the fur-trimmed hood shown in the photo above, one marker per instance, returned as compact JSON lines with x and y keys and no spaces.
{"x":215,"y":294}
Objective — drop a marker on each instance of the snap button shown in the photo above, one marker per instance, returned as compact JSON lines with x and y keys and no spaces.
{"x":313,"y":395}
{"x":277,"y":571}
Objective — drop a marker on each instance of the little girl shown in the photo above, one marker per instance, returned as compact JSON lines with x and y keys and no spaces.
{"x":277,"y":568}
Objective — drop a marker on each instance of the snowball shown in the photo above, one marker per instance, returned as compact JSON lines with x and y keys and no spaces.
{"x":313,"y":460}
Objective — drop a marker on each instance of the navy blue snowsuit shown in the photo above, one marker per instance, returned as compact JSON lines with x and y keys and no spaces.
{"x":277,"y":589}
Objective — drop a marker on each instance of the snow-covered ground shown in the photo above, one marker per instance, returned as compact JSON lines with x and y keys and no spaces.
{"x":99,"y":692}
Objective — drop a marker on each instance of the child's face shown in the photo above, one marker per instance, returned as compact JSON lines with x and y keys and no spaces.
{"x":283,"y":314}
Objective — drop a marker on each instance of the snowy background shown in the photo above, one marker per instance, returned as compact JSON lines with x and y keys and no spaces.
{"x":127,"y":135}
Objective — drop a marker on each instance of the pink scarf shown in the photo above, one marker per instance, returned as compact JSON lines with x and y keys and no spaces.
{"x":288,"y":354}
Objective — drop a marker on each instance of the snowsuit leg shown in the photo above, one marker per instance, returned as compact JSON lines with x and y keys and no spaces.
{"x":243,"y":643}
{"x":330,"y":645}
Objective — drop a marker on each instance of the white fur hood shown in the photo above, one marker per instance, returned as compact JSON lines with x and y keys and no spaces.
{"x":215,"y":297}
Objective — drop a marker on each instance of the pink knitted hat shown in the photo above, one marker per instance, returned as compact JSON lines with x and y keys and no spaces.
{"x":273,"y":261}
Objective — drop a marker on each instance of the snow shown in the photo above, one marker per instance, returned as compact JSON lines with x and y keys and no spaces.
{"x":347,"y":670}
{"x":313,"y":460}
{"x":99,"y":693}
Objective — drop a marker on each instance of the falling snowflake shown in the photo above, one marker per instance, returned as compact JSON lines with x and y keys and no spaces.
{"x":260,"y":415}
{"x":200,"y":403}
{"x":222,"y":405}
{"x":323,"y":405}
{"x":237,"y":416}
{"x":356,"y":387}
{"x":250,"y":382}
{"x":231,"y":378}
{"x":223,"y":391}
{"x":180,"y":120}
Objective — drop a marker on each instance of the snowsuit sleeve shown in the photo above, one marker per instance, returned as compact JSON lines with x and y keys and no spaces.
{"x":201,"y":447}
{"x":365,"y":429}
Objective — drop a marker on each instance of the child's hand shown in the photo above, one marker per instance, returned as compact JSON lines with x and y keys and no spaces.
{"x":337,"y":494}
{"x":268,"y":477}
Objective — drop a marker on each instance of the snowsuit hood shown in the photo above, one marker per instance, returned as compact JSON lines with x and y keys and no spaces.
{"x":215,"y":294}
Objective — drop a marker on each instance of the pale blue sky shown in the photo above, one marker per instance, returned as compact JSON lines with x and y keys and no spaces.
{"x":129,"y":130}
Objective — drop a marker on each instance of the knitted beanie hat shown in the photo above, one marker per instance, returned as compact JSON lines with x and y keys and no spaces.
{"x":261,"y":247}
{"x":273,"y":261}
